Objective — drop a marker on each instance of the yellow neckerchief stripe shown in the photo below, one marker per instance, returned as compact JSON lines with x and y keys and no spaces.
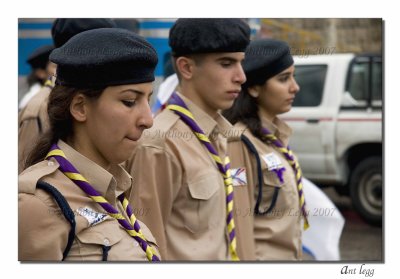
{"x":55,"y":152}
{"x":182,"y":110}
{"x":98,"y":199}
{"x":75,"y":176}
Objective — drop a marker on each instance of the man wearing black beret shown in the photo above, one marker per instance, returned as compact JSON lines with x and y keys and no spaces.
{"x":186,"y":190}
{"x":33,"y":120}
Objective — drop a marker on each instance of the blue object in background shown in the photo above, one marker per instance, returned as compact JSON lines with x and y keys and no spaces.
{"x":32,"y":33}
{"x":25,"y":48}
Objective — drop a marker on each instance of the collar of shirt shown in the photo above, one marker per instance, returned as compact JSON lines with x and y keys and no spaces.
{"x":108,"y":184}
{"x":280,"y":129}
{"x":53,"y":80}
{"x":209,"y":125}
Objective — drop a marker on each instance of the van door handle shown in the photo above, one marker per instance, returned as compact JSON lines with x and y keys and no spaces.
{"x":312,"y":120}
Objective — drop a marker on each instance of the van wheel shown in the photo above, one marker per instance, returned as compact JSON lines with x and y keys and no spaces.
{"x":366,"y":190}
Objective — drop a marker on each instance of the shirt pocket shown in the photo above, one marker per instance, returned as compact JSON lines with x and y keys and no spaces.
{"x":97,"y":241}
{"x":271,"y":187}
{"x":204,"y":210}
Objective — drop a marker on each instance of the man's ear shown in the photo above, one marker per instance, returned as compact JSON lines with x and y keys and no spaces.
{"x":78,"y":107}
{"x":185,"y":67}
{"x":254,"y":91}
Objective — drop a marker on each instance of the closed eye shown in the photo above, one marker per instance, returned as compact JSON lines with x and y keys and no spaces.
{"x":129,"y":103}
{"x":226,"y":64}
{"x":284,"y":77}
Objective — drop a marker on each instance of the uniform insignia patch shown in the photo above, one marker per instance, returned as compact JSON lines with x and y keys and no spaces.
{"x":272,"y":160}
{"x":92,"y":216}
{"x":239,"y":177}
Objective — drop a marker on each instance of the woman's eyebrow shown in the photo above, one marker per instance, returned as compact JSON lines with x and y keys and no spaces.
{"x":284,"y":74}
{"x":135,"y":91}
{"x":132,"y":91}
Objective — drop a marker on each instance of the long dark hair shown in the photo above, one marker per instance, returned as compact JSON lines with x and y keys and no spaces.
{"x":245,"y":109}
{"x":60,"y":120}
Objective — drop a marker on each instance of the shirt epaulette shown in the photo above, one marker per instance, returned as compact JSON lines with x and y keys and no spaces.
{"x":28,"y":178}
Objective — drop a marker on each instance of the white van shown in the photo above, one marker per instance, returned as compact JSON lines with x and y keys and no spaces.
{"x":337,"y":123}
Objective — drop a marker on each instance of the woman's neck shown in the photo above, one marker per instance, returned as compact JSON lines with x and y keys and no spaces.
{"x":87,"y":150}
{"x":266,"y":115}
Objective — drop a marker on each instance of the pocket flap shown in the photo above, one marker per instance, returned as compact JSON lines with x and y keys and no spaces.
{"x":107,"y":233}
{"x":271,"y":178}
{"x":205,"y":186}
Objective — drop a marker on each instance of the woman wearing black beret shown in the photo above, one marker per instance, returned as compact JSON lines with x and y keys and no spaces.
{"x":74,"y":198}
{"x":269,"y":196}
{"x":32,"y":119}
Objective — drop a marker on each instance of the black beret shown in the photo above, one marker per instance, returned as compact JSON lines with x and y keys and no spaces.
{"x":207,"y":35}
{"x":104,"y":57}
{"x":264,"y":59}
{"x":39,"y":58}
{"x":64,"y":29}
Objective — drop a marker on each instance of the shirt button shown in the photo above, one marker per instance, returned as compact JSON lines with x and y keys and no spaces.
{"x":50,"y":163}
{"x":136,"y":244}
{"x":106,"y":242}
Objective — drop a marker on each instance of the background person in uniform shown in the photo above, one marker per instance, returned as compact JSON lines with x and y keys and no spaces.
{"x":104,"y":77}
{"x":32,"y":120}
{"x":42,"y":69}
{"x":267,"y":194}
{"x":183,"y":187}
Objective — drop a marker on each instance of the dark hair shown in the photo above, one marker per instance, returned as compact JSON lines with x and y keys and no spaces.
{"x":245,"y":109}
{"x":60,"y":120}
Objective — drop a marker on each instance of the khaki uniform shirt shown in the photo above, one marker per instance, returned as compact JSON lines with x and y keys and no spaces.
{"x":43,"y":229}
{"x":179,"y":187}
{"x":33,"y":121}
{"x":277,"y":235}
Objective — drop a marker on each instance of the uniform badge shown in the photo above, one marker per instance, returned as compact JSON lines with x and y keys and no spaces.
{"x":92,"y":216}
{"x":274,"y":164}
{"x":239,"y":177}
{"x":272,"y":160}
